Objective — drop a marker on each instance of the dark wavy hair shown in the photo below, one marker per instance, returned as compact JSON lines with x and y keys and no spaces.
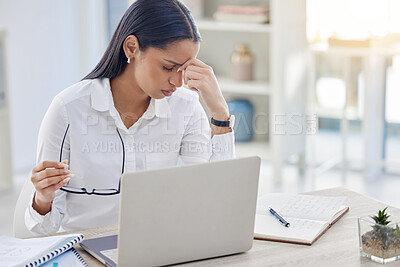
{"x":155,"y":23}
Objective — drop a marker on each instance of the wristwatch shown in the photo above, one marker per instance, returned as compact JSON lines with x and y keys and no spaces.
{"x":229,"y":123}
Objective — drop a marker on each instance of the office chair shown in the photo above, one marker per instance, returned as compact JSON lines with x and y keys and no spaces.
{"x":20,"y":229}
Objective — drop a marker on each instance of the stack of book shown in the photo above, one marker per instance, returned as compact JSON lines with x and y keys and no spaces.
{"x":246,"y":14}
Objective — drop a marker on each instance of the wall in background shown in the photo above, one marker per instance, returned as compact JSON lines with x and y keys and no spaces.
{"x":50,"y":46}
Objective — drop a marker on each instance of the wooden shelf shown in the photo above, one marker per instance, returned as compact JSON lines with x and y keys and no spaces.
{"x":212,"y":25}
{"x":257,"y":87}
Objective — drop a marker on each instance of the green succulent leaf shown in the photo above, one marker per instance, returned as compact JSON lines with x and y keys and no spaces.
{"x":382,"y":217}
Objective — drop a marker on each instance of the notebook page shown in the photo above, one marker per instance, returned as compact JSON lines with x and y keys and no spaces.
{"x":299,"y":230}
{"x":14,"y":251}
{"x":69,"y":258}
{"x":17,"y":251}
{"x":301,"y":206}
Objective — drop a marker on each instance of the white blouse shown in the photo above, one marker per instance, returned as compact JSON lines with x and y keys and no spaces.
{"x":83,"y":126}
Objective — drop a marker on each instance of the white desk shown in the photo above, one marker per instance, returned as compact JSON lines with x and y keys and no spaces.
{"x":337,"y":247}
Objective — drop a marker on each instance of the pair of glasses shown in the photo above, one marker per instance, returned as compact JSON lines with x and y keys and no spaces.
{"x":94,"y":191}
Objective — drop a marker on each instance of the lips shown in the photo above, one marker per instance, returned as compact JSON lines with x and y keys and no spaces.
{"x":167,"y":92}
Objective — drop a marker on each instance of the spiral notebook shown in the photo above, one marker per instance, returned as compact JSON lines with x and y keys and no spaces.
{"x":37,"y":251}
{"x":70,"y":258}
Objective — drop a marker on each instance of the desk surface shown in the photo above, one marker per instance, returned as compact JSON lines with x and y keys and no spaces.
{"x":337,"y":247}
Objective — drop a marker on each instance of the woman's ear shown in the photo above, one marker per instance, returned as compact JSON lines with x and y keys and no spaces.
{"x":131,"y":47}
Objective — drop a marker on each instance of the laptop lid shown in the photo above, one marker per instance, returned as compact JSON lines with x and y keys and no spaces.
{"x":188,"y":212}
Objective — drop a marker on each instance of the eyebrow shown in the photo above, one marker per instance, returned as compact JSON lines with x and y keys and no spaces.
{"x":172,"y":62}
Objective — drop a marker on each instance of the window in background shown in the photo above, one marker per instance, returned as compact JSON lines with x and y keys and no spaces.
{"x":392,"y":114}
{"x":355,"y":19}
{"x":362,"y":21}
{"x":331,"y":93}
{"x":393,"y":92}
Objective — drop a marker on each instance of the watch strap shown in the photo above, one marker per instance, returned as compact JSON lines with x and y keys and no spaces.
{"x":220,"y":123}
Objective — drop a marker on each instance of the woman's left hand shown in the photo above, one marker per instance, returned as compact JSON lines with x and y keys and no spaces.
{"x":200,"y":77}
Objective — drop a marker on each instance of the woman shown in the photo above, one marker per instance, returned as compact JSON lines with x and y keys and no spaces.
{"x":127,"y":115}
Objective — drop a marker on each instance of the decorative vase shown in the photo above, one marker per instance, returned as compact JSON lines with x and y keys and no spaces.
{"x":380,"y":243}
{"x":244,"y":112}
{"x":242,"y":63}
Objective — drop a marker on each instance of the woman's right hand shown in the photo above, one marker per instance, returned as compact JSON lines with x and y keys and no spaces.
{"x":47,"y":177}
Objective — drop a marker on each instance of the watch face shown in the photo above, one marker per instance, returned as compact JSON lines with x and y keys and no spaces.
{"x":232,"y":121}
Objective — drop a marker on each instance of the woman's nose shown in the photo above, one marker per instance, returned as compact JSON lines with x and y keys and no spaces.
{"x":176,"y":79}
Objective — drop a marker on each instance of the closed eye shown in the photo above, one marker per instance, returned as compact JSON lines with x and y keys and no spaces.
{"x":168,"y":69}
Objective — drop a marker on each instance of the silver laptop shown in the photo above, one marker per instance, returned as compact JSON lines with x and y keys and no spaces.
{"x":183,"y":213}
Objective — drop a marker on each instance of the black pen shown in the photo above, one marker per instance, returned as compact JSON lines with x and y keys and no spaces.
{"x":280,"y":219}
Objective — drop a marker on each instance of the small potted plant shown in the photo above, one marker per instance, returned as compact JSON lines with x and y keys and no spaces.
{"x":379,"y":238}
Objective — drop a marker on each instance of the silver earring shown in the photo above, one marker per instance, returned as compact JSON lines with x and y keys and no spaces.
{"x":129,"y":60}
